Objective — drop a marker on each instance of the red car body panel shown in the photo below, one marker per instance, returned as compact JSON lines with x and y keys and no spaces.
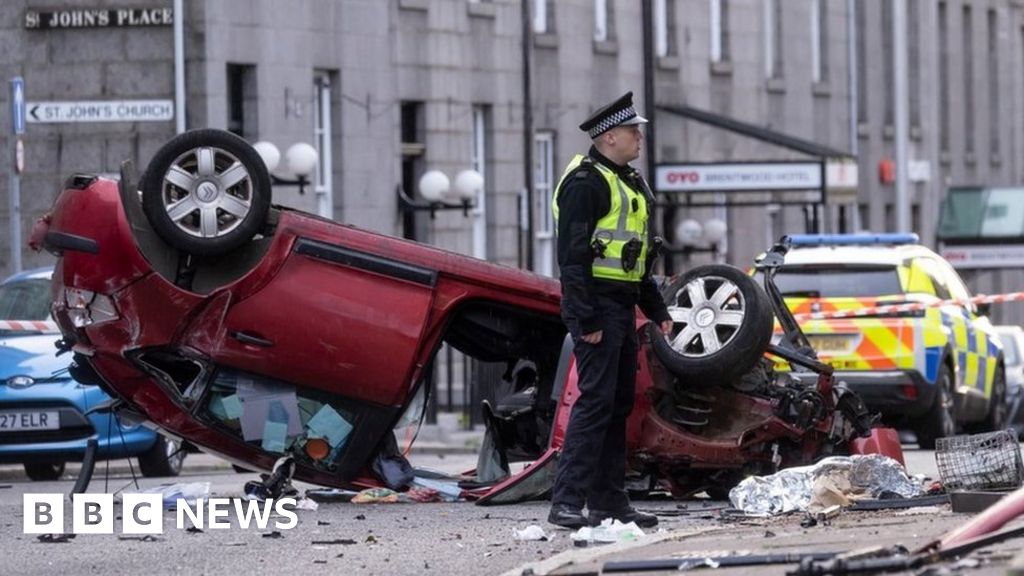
{"x":358,"y":316}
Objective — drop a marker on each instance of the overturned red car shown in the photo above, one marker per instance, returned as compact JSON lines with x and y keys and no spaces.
{"x":256,"y":331}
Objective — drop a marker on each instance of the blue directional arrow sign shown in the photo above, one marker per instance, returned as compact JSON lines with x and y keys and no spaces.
{"x":18,"y":104}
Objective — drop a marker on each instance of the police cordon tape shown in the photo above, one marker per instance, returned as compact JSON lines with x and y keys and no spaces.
{"x":42,"y":326}
{"x":910,"y":307}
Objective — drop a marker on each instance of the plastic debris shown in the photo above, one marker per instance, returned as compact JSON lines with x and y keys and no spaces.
{"x":840,"y":480}
{"x":188,"y":491}
{"x":376,"y":496}
{"x":531,"y":533}
{"x":449,"y":491}
{"x":274,"y":485}
{"x":422,"y":495}
{"x":306,"y":504}
{"x":330,"y":495}
{"x":609,"y":531}
{"x":55,"y":538}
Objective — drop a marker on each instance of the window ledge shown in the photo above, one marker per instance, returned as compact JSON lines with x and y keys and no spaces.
{"x":915,"y":132}
{"x":421,"y":5}
{"x":775,"y":85}
{"x":822,"y":89}
{"x":970,"y":159}
{"x":888,"y":131}
{"x":863,"y":130}
{"x":668,"y":62}
{"x":481,"y":9}
{"x":945,"y":158}
{"x":721,"y":68}
{"x":996,"y":159}
{"x":606,"y":47}
{"x":545,"y":40}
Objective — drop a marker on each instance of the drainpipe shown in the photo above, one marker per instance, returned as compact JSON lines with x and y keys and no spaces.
{"x":179,"y":66}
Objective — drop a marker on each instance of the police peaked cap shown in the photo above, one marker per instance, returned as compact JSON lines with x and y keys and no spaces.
{"x":618,"y":113}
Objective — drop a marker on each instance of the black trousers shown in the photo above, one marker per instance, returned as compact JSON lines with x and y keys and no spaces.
{"x":592,"y":464}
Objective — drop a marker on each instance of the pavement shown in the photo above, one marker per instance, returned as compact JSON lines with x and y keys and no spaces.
{"x":433,"y":440}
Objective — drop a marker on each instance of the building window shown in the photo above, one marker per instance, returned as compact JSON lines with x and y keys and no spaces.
{"x":773,"y":38}
{"x":412,"y":160}
{"x":323,"y":134}
{"x":719,"y":11}
{"x":887,"y":64}
{"x":914,"y":63}
{"x":819,"y":40}
{"x":968,"y":54}
{"x":242,"y":109}
{"x":862,"y":63}
{"x":484,"y":221}
{"x":543,"y":16}
{"x":993,"y":84}
{"x":665,"y":28}
{"x":544,"y":188}
{"x":604,"y":21}
{"x":943,"y":78}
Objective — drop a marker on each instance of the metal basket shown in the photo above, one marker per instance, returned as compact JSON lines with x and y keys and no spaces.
{"x":989,"y":461}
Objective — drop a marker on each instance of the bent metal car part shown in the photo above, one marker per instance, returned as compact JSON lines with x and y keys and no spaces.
{"x":298,"y":336}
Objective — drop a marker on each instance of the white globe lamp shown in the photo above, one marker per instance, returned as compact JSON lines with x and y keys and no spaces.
{"x":269,"y":153}
{"x":433,"y":185}
{"x":715,"y":230}
{"x":301,"y":159}
{"x":689,"y":232}
{"x":467,"y":185}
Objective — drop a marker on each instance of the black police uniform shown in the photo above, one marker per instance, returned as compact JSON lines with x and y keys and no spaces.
{"x":592,"y":464}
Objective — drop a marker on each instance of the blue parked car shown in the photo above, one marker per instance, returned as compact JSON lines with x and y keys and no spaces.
{"x":43,"y":421}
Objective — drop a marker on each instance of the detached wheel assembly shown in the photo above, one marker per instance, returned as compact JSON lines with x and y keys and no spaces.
{"x":722,"y":323}
{"x":206,"y":192}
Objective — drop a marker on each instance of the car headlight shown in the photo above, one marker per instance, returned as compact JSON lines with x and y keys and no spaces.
{"x":87,"y":308}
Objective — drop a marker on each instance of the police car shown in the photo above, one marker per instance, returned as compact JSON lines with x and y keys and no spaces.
{"x":934,"y":365}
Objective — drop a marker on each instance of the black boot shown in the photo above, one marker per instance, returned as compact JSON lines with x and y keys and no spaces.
{"x":626,"y":515}
{"x":567,"y":517}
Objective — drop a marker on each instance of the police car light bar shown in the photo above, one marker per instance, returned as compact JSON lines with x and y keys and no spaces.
{"x":849,"y":239}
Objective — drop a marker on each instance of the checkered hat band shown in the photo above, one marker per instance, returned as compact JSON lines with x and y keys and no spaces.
{"x":612,"y":121}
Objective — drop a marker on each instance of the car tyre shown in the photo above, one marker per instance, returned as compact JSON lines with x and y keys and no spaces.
{"x":44,"y":471}
{"x":165,"y":458}
{"x":722,"y":323}
{"x":206,"y":192}
{"x":940,"y":420}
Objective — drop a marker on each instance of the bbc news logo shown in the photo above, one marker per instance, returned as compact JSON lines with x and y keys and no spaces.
{"x":144,"y":513}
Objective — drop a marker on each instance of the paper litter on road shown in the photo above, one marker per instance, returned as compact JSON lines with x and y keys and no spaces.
{"x":532,"y":532}
{"x":609,"y":531}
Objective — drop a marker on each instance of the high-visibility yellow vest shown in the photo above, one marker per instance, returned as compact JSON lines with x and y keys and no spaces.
{"x":627,"y":219}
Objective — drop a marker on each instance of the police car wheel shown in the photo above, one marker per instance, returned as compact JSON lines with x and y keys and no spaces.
{"x":722,"y":323}
{"x":940,"y":420}
{"x":206,"y":192}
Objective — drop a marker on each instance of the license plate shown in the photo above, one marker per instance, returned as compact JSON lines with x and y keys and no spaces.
{"x":18,"y":421}
{"x":831,"y":343}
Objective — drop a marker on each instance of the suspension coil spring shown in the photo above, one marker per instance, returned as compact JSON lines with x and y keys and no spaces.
{"x":692,"y":409}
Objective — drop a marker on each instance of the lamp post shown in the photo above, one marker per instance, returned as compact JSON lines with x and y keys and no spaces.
{"x":440,"y":194}
{"x":692,"y":236}
{"x":300,"y":161}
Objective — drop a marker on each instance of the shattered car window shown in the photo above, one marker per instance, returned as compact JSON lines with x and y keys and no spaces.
{"x":280,"y":418}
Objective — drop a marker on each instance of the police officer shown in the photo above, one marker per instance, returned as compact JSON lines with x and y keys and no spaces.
{"x":602,"y":206}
